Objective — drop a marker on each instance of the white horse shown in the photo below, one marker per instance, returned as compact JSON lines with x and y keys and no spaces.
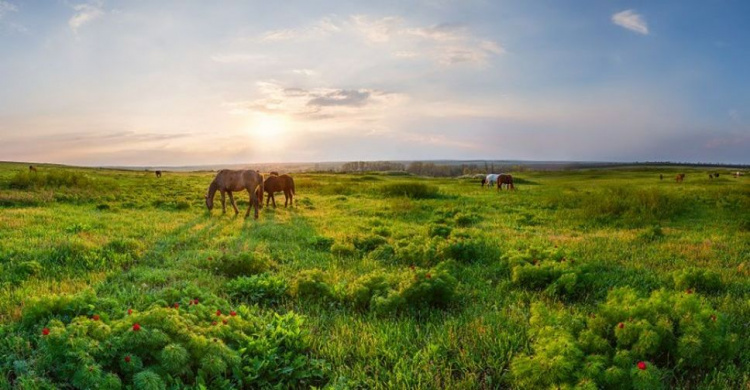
{"x":490,"y":180}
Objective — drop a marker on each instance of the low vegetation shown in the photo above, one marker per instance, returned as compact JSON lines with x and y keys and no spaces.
{"x":578,"y":279}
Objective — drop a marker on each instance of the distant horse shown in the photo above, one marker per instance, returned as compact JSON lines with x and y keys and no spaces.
{"x":505,"y":179}
{"x":737,"y":174}
{"x":490,"y":180}
{"x":716,"y":175}
{"x":158,"y":173}
{"x":680,"y":177}
{"x":32,"y":168}
{"x":710,"y":175}
{"x":274,"y":173}
{"x":281,"y":183}
{"x":661,"y":177}
{"x":228,"y":181}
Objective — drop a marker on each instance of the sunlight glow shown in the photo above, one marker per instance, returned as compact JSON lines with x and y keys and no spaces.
{"x":271,"y":129}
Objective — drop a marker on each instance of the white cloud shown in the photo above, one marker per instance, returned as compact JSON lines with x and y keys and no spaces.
{"x":304,"y":72}
{"x":85,"y":13}
{"x":631,"y":21}
{"x":232,"y":58}
{"x":378,"y":30}
{"x":322,"y":27}
{"x":439,"y":32}
{"x":6,"y":7}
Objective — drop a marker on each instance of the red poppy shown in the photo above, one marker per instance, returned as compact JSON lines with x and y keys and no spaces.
{"x":127,"y":359}
{"x":196,"y":301}
{"x":130,"y":311}
{"x":427,"y":276}
{"x":232,"y":313}
{"x":218,"y":312}
{"x":45,"y":332}
{"x":641,"y":365}
{"x":176,"y":305}
{"x":620,"y":325}
{"x":95,"y":317}
{"x":136,"y":327}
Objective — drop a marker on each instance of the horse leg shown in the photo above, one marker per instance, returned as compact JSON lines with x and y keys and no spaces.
{"x":234,"y":204}
{"x":253,"y":204}
{"x":268,"y":198}
{"x":223,"y":203}
{"x":273,"y":199}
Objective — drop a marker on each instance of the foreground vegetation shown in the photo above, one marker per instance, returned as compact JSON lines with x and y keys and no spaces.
{"x":588,"y":279}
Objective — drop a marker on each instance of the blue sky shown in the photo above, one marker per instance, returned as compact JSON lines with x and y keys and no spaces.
{"x":192,"y":82}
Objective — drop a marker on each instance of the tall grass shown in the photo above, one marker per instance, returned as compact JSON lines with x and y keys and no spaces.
{"x":58,"y":178}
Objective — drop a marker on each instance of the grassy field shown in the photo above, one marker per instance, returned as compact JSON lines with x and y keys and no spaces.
{"x":587,"y":279}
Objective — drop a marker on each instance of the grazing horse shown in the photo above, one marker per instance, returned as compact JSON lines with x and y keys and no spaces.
{"x":228,"y":181}
{"x":274,"y":173}
{"x":505,"y":179}
{"x":710,"y":175}
{"x":680,"y":177}
{"x":158,"y":173}
{"x":32,"y":168}
{"x":490,"y":180}
{"x":283,"y":183}
{"x":661,"y":177}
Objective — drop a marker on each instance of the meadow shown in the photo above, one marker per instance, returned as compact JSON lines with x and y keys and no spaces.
{"x":590,"y":278}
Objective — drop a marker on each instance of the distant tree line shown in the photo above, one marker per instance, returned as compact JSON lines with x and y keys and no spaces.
{"x":372,"y":166}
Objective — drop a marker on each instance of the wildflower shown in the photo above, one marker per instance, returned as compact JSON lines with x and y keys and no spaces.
{"x":95,"y":317}
{"x":620,"y":325}
{"x":127,"y":359}
{"x":232,"y":313}
{"x":713,"y":317}
{"x":428,"y":276}
{"x":210,"y":258}
{"x":689,"y":291}
{"x":225,"y":321}
{"x":196,"y":301}
{"x":136,"y":327}
{"x":45,"y":332}
{"x":218,"y":312}
{"x":641,"y":365}
{"x":213,"y":323}
{"x":130,"y":311}
{"x":176,"y":305}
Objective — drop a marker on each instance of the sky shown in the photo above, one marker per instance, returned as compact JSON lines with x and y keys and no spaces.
{"x":169,"y":83}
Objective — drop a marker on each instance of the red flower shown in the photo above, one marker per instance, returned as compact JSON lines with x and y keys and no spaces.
{"x":218,"y":312}
{"x":95,"y":317}
{"x":195,"y":301}
{"x":232,"y":313}
{"x":225,"y":321}
{"x":428,"y":276}
{"x":620,"y":325}
{"x":713,"y":317}
{"x":45,"y":332}
{"x":213,"y":323}
{"x":136,"y":327}
{"x":130,"y":311}
{"x":176,"y":305}
{"x":689,"y":291}
{"x":641,"y":365}
{"x":127,"y":359}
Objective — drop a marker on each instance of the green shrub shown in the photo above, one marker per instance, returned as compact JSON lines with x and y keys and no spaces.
{"x":409,"y":190}
{"x":440,"y":230}
{"x":311,"y":284}
{"x":698,"y":279}
{"x":243,"y":264}
{"x":465,"y":249}
{"x":368,"y":243}
{"x":467,"y":219}
{"x":343,"y":249}
{"x":262,"y":289}
{"x":626,"y":343}
{"x":385,"y":253}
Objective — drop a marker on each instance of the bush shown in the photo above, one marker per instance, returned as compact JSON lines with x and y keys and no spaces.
{"x":409,"y":190}
{"x":262,"y":289}
{"x":465,"y":249}
{"x":626,"y":343}
{"x":698,"y":279}
{"x":440,"y":230}
{"x":548,"y":270}
{"x":343,"y":249}
{"x":467,"y":219}
{"x":368,"y":243}
{"x":311,"y":284}
{"x":181,"y":348}
{"x":243,"y":264}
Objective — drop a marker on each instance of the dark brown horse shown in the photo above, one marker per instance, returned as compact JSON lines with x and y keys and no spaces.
{"x":679,"y":178}
{"x":158,"y":173}
{"x":228,"y":181}
{"x":32,"y":168}
{"x":505,"y":179}
{"x":281,"y":183}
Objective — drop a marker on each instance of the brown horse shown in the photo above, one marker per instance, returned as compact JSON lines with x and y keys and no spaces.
{"x":679,"y":178}
{"x":505,"y":179}
{"x":158,"y":173}
{"x":283,"y":183}
{"x":228,"y":181}
{"x":32,"y":168}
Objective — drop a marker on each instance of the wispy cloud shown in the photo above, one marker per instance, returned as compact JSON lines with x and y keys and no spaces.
{"x":320,"y":28}
{"x":85,"y":13}
{"x":631,"y":21}
{"x":6,"y":7}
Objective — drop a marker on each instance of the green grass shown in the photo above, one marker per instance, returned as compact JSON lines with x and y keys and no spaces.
{"x":374,"y":281}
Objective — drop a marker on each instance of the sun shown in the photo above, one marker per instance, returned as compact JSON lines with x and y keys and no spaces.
{"x":269,"y":128}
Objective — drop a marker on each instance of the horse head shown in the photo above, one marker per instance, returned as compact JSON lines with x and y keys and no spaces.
{"x":209,"y":202}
